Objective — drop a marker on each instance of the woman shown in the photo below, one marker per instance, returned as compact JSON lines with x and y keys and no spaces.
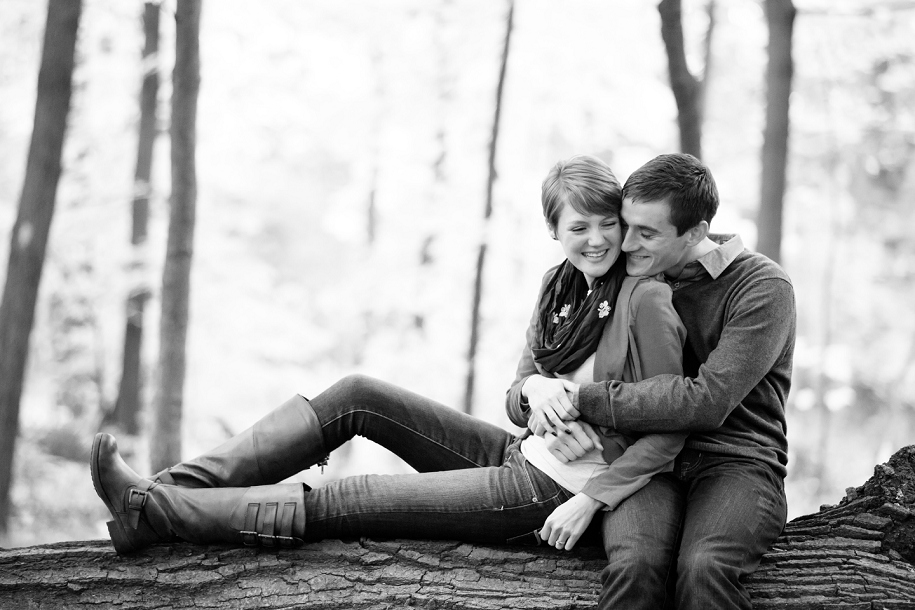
{"x":475,"y":481}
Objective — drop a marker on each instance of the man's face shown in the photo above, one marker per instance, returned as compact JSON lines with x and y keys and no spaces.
{"x":651,"y":243}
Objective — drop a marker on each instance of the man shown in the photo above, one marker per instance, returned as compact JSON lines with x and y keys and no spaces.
{"x":707,"y":524}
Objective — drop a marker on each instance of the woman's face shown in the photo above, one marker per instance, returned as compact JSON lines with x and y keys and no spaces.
{"x":590,"y":242}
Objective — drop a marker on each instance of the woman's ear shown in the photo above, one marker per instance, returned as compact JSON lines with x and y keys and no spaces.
{"x":550,"y":229}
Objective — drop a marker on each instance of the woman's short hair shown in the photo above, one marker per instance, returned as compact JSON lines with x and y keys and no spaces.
{"x":584,"y":182}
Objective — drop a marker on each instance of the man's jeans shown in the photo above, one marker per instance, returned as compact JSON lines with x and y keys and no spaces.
{"x":472,"y":483}
{"x":692,"y":535}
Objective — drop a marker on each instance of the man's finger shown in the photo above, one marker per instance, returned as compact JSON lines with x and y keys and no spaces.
{"x":593,"y":435}
{"x":571,"y":388}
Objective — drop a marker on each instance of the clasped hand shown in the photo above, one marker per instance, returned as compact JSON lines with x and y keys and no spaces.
{"x":553,"y":417}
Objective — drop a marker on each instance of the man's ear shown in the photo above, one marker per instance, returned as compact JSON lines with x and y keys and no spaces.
{"x":697,"y":233}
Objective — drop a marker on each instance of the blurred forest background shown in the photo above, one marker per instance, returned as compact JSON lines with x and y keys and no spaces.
{"x":342,"y":169}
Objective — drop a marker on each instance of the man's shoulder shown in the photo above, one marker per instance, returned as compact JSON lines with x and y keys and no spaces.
{"x":755,"y":266}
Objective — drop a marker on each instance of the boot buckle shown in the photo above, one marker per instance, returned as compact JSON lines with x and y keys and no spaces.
{"x":249,"y":538}
{"x":136,"y":500}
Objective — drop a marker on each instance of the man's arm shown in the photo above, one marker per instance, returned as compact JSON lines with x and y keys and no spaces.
{"x":755,"y":337}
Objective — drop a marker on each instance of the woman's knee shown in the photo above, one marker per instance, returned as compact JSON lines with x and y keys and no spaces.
{"x":353,"y":387}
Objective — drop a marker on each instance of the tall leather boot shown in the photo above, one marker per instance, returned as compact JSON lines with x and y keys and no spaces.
{"x":146,"y":512}
{"x":285,"y":441}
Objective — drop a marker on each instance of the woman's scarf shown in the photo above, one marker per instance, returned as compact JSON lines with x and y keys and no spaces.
{"x":572,"y":317}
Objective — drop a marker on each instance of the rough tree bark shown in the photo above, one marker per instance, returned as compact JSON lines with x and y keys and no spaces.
{"x":780,"y":17}
{"x":859,"y":554}
{"x":127,"y":407}
{"x":29,"y":238}
{"x":487,"y":213}
{"x":688,"y":90}
{"x":165,"y":440}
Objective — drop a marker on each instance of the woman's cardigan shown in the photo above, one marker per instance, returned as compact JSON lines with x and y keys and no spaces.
{"x":644,"y":338}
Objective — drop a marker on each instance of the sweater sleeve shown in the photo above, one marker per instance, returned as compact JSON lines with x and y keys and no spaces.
{"x":758,"y":327}
{"x":657,"y":339}
{"x":518,"y":412}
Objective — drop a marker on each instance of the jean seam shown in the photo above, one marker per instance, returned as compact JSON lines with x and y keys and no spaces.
{"x":491,"y":509}
{"x":405,"y":427}
{"x":671,"y":566}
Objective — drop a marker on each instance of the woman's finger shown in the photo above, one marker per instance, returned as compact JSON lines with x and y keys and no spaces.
{"x":556,"y":420}
{"x":560,"y":449}
{"x":572,"y":541}
{"x":546,"y":531}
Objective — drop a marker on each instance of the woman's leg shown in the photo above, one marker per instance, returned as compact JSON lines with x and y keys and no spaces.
{"x":495,"y":504}
{"x":145,"y":512}
{"x":300,"y":433}
{"x":428,"y":435}
{"x":490,"y":504}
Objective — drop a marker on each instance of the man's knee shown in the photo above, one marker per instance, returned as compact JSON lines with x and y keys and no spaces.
{"x":709,"y":578}
{"x":637,"y":562}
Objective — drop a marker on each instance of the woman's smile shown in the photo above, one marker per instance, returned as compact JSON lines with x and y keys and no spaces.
{"x":591,"y":242}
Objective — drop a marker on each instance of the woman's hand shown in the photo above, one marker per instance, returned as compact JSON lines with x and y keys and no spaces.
{"x":551,"y":403}
{"x":568,"y":447}
{"x":568,"y":522}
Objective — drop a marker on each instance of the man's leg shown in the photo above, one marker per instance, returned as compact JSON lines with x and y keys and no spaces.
{"x":735,"y":509}
{"x":640,"y":539}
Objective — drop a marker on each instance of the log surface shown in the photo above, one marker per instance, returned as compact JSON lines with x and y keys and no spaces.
{"x":859,"y":554}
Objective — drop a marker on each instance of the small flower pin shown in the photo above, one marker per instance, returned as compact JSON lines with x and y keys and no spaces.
{"x":564,"y":312}
{"x":603,"y":310}
{"x":555,"y":318}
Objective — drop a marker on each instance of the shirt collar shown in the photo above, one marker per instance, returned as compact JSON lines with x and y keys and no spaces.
{"x":714,"y":261}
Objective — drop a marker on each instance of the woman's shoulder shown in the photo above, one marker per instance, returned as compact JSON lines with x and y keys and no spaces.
{"x":647,"y":287}
{"x":549,"y":275}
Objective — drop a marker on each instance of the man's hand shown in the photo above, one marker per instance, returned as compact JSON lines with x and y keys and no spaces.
{"x":551,"y":405}
{"x":568,"y":522}
{"x":569,"y":446}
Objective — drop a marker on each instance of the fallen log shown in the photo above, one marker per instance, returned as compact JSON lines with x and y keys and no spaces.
{"x":858,"y":554}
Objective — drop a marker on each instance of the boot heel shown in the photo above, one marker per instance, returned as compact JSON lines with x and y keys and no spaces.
{"x":119,"y":538}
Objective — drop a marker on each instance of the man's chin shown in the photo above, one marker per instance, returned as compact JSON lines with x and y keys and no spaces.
{"x":635,"y":270}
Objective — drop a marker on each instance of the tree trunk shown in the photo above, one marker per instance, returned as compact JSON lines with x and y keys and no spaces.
{"x":687,"y":89}
{"x":127,"y":408}
{"x":165,"y":442}
{"x":481,"y":254}
{"x":858,"y":554}
{"x":33,"y":223}
{"x":780,"y":17}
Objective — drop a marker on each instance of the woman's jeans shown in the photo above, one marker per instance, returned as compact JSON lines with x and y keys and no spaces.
{"x":473,"y":483}
{"x":689,"y":538}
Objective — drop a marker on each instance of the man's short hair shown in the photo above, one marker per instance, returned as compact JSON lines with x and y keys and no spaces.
{"x":682,"y":181}
{"x":584,"y":182}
